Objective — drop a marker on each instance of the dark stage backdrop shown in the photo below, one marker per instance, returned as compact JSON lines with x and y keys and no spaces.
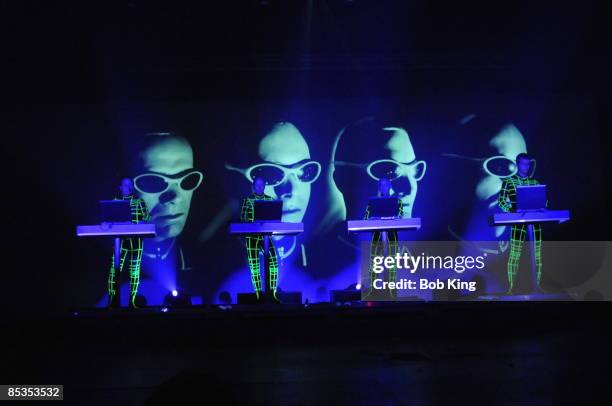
{"x":320,"y":92}
{"x":321,"y":156}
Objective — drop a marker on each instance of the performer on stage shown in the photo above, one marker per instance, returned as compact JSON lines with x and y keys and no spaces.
{"x":130,"y":247}
{"x":376,"y":249}
{"x":507,"y":202}
{"x":255,"y":242}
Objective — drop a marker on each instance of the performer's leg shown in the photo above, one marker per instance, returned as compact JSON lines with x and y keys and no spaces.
{"x":135,"y":245}
{"x":113,"y":276}
{"x":254,"y":244}
{"x":392,"y":251}
{"x":537,"y":239}
{"x":376,"y":249}
{"x":517,"y":237}
{"x":273,"y":267}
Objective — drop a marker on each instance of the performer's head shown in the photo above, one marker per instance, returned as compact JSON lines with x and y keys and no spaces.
{"x":126,"y":187}
{"x":523,"y":164}
{"x":384,"y":187}
{"x":369,"y":152}
{"x":166,"y":181}
{"x":259,"y":185}
{"x":286,"y":168}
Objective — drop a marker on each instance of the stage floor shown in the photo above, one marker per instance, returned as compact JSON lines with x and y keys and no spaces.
{"x":409,"y":353}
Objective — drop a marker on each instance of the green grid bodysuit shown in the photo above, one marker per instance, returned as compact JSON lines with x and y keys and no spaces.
{"x":507,"y":202}
{"x":132,"y":248}
{"x":255,"y":244}
{"x":377,"y":248}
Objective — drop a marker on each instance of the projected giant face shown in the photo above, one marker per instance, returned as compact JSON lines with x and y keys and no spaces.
{"x":505,"y":145}
{"x":167,"y":182}
{"x":363,"y":155}
{"x":286,"y":168}
{"x":508,"y":143}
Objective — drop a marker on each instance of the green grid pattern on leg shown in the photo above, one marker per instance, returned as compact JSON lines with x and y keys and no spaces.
{"x":272,"y":266}
{"x":517,"y":237}
{"x":537,"y":238}
{"x":113,"y":276}
{"x":392,"y":251}
{"x":376,"y":250}
{"x":253,"y":242}
{"x":135,"y":261}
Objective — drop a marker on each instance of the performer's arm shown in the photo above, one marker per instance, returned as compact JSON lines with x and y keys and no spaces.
{"x":146,"y":216}
{"x":246,"y":211}
{"x":503,"y":200}
{"x":243,"y":210}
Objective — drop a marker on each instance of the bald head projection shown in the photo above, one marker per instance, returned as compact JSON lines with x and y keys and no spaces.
{"x":506,"y":144}
{"x":494,"y":158}
{"x":286,"y":168}
{"x":166,"y":181}
{"x":362,"y":155}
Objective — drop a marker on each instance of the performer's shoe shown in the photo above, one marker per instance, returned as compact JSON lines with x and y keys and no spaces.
{"x":133,"y":305}
{"x":367,"y":296}
{"x":510,"y":292}
{"x":274,"y":298}
{"x":113,"y":302}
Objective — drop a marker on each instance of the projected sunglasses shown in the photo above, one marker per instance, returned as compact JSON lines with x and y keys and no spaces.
{"x":499,"y":165}
{"x":275,"y":175}
{"x":389,"y":168}
{"x":158,"y":183}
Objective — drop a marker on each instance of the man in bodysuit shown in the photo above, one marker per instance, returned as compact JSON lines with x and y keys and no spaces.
{"x":255,"y":242}
{"x":507,"y":202}
{"x":131,"y":248}
{"x":376,"y":249}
